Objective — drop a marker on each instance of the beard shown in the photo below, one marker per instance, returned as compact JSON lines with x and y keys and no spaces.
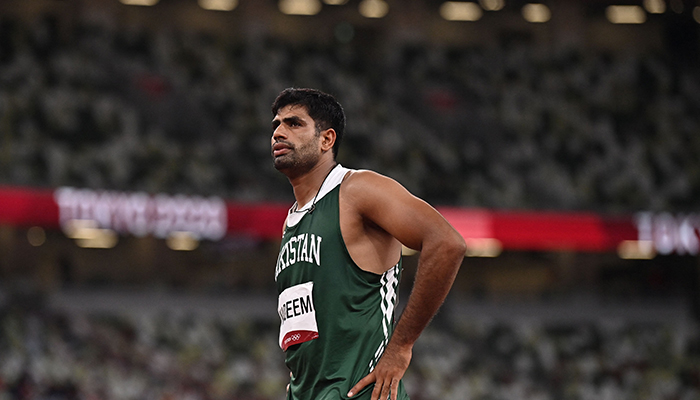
{"x":299,"y":159}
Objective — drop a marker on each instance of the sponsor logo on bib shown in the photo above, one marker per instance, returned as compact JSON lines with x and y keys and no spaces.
{"x":297,"y":313}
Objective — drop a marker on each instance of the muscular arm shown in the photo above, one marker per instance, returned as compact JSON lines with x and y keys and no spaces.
{"x":418,"y":226}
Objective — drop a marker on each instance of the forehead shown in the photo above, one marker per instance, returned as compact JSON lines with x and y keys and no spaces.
{"x":293,"y":110}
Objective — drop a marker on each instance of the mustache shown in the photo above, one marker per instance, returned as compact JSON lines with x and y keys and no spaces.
{"x":284,"y":142}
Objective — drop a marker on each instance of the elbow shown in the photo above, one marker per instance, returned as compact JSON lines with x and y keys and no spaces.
{"x":462,"y":247}
{"x":458,"y":246}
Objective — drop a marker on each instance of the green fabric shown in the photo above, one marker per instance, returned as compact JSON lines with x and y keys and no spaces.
{"x":354,"y":308}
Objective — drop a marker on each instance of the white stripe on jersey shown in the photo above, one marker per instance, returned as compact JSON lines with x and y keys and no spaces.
{"x":390,"y":283}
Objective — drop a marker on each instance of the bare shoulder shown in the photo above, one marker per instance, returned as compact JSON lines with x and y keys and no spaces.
{"x":369,"y":196}
{"x":362,"y":181}
{"x":371,"y":193}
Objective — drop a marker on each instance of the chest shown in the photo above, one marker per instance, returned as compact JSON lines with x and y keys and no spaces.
{"x":311,"y":244}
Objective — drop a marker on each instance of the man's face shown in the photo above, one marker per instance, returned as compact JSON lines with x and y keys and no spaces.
{"x":295,"y":140}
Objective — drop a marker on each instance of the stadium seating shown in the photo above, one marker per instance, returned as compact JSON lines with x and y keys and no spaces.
{"x":520,"y":125}
{"x":47,"y":354}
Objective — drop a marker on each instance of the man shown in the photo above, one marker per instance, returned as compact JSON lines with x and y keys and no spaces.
{"x":339,"y":264}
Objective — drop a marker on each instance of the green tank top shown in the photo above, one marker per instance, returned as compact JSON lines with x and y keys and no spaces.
{"x":335,"y":319}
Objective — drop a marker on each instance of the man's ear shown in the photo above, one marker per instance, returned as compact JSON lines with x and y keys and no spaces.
{"x":328,"y":137}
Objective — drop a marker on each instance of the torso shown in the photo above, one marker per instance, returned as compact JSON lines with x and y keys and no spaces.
{"x":336,"y":316}
{"x":371,"y":247}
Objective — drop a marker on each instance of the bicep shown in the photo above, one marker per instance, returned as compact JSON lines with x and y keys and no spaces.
{"x":404,"y":216}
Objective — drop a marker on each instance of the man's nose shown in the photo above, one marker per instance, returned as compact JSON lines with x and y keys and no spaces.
{"x":278,"y":133}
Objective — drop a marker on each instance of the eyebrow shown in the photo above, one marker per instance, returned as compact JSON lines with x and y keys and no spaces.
{"x":276,"y":122}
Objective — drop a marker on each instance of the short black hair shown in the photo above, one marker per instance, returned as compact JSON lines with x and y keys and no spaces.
{"x":322,"y":107}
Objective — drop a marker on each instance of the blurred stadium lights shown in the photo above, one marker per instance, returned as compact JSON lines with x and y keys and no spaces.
{"x":476,"y":247}
{"x":182,"y":241}
{"x":461,"y":11}
{"x":677,"y":6}
{"x":655,"y":6}
{"x":300,"y":7}
{"x":485,"y":247}
{"x":636,"y":250}
{"x":536,"y":13}
{"x":407,"y":252}
{"x":373,"y":8}
{"x":492,"y":5}
{"x":335,"y":2}
{"x":36,"y":236}
{"x":218,"y":5}
{"x":625,"y":14}
{"x":101,"y":239}
{"x":80,"y":228}
{"x":86,"y":234}
{"x":139,"y":2}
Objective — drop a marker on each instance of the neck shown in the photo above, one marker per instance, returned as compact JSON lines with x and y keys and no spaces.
{"x":307,"y":186}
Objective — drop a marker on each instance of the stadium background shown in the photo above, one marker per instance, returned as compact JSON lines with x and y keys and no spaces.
{"x":566,"y":151}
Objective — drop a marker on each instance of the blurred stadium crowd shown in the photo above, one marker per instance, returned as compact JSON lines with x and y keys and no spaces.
{"x":63,"y":356}
{"x":96,"y":104}
{"x":520,"y":125}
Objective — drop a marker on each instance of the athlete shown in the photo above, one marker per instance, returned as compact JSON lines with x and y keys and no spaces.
{"x":339,"y":264}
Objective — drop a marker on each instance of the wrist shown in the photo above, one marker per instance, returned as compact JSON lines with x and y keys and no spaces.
{"x":397,"y":344}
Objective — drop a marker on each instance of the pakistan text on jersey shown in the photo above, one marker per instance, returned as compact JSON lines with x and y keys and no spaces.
{"x":296,"y":307}
{"x":305,"y":247}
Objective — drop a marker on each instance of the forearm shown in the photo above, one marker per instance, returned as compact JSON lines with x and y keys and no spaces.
{"x":438,"y":265}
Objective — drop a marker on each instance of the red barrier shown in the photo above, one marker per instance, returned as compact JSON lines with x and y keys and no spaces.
{"x":537,"y":231}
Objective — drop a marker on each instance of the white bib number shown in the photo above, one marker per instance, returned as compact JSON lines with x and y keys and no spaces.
{"x":297,"y":313}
